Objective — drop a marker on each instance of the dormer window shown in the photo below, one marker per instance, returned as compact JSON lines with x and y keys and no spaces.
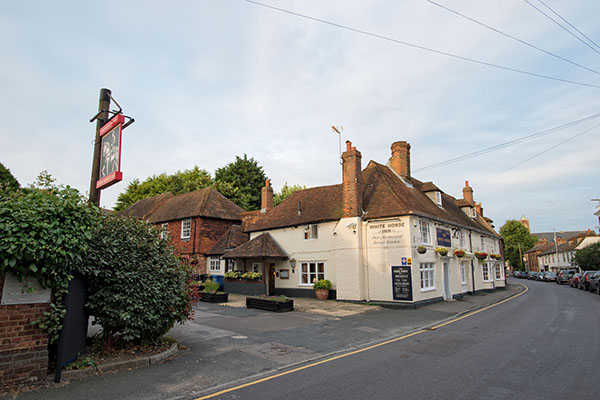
{"x":438,"y":198}
{"x":311,"y":232}
{"x":473,"y":213}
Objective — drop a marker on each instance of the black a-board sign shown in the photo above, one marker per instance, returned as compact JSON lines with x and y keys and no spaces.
{"x":402,"y":283}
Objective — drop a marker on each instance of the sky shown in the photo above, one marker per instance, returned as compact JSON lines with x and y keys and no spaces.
{"x":210,"y":80}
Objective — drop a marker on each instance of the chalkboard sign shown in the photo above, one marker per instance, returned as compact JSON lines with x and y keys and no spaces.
{"x":402,"y":283}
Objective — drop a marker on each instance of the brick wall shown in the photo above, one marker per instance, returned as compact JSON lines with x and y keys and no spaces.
{"x":205,"y":233}
{"x":23,"y":346}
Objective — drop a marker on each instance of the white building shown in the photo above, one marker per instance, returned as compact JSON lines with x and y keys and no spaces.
{"x":363,"y":235}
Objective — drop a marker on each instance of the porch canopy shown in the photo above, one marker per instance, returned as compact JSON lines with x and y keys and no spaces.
{"x":262,"y":248}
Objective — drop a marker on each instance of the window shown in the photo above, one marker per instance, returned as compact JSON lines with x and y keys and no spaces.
{"x":164,"y":230}
{"x":256,"y":266}
{"x":482,"y":243}
{"x":438,"y":198}
{"x":463,"y":273}
{"x":311,"y":272}
{"x":425,"y":237}
{"x":230,"y":266}
{"x":427,"y":276}
{"x":486,"y":272}
{"x":311,"y":232}
{"x":473,"y":213}
{"x":463,"y":243}
{"x":186,"y":228}
{"x":214,"y":264}
{"x":498,"y":271}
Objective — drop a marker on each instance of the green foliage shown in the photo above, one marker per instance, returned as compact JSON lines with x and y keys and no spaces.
{"x":285,"y":192}
{"x":8,"y":182}
{"x":252,"y":276}
{"x":233,"y":275}
{"x":45,"y":234}
{"x":211,"y":286}
{"x":588,"y":258}
{"x":137,"y":288}
{"x":517,"y":240}
{"x":248,"y":177}
{"x":82,"y":363}
{"x":180,"y":182}
{"x":322,"y":284}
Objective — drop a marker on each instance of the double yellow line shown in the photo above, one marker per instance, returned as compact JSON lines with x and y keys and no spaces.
{"x":268,"y":378}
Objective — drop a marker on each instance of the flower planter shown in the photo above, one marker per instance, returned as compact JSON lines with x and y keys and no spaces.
{"x":459,"y":254}
{"x":322,"y":294}
{"x":214,"y":297}
{"x":263,"y":303}
{"x":421,"y":250}
{"x":442,"y":251}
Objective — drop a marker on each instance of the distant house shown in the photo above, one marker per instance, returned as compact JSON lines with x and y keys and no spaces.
{"x":366,"y":236}
{"x":555,"y":256}
{"x":217,"y":266}
{"x":193,"y":222}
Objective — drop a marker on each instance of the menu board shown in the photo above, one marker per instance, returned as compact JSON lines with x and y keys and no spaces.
{"x":402,"y":283}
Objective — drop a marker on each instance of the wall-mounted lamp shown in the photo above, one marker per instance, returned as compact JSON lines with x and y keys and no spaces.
{"x":292,"y":262}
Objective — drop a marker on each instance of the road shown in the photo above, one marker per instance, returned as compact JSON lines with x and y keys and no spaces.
{"x":542,"y":345}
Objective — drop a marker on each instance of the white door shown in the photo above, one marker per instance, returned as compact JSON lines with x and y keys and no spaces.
{"x":447,"y":292}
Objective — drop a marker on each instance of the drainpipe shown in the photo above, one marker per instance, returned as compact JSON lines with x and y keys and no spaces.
{"x":472,"y":266}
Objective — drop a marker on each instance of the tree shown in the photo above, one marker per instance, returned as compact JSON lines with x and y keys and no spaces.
{"x":285,"y":192}
{"x":588,"y":258}
{"x":517,"y":240}
{"x":7,"y":181}
{"x":248,"y":177}
{"x":180,"y":182}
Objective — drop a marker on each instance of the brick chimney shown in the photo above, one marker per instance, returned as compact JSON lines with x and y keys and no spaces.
{"x":352,"y":182}
{"x":400,"y":160}
{"x":266,"y":197}
{"x":479,"y":208}
{"x":468,"y":193}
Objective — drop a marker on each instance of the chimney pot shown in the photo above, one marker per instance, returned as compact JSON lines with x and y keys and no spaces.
{"x":348,"y":145}
{"x":351,"y":182}
{"x":468,"y":193}
{"x":266,"y":196}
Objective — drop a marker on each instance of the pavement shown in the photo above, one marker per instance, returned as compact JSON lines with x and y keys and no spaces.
{"x":228,"y":343}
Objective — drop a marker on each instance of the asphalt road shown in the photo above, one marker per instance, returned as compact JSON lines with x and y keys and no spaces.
{"x":544,"y":344}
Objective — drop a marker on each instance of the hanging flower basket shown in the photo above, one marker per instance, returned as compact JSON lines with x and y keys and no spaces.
{"x":481,"y":255}
{"x":496,"y":256}
{"x":442,"y":251}
{"x":421,"y":249}
{"x":459,"y":253}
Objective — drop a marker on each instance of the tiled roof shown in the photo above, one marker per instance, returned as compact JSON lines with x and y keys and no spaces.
{"x":429,"y":186}
{"x":384,"y":195}
{"x":539,"y":247}
{"x":549,"y":236}
{"x":262,"y":246}
{"x":230,"y":240}
{"x":143,"y":208}
{"x":205,"y":202}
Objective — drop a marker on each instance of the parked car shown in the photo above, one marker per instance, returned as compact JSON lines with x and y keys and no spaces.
{"x":549,"y":277}
{"x":595,"y":282}
{"x":540,"y":276}
{"x":574,"y":280}
{"x":584,"y":281}
{"x":531,"y":275}
{"x":564,"y":276}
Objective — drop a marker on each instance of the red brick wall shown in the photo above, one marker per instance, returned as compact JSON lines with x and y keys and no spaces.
{"x":205,"y":233}
{"x":23,"y":346}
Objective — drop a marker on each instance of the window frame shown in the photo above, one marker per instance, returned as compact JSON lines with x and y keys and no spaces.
{"x":485,"y":270}
{"x":498,"y":273}
{"x":425,"y":232}
{"x":311,"y":232}
{"x":164,"y":230}
{"x":212,"y":261}
{"x":438,"y":198}
{"x":311,"y":276}
{"x":463,"y":273}
{"x":427,"y":276}
{"x":189,"y":229}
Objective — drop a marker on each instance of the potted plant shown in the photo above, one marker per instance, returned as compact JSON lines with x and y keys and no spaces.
{"x":496,"y":256}
{"x":460,"y":253}
{"x":321,"y":288}
{"x":481,"y":255}
{"x":210,"y":293}
{"x":421,"y":249}
{"x":442,"y":251}
{"x":270,"y":303}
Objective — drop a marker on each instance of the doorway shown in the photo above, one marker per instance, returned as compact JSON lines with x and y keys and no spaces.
{"x":271,"y":286}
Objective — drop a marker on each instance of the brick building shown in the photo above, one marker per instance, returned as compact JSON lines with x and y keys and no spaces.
{"x":193,"y":221}
{"x":23,"y":346}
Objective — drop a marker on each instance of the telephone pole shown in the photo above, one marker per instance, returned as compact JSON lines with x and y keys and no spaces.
{"x":103,"y":108}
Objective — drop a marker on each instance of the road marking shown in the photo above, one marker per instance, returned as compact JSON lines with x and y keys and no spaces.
{"x":268,"y":378}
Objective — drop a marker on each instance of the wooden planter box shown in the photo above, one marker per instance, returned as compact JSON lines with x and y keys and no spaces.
{"x":214,"y":297}
{"x":269,"y":305}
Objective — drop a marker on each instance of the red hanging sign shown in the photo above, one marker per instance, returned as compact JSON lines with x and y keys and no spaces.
{"x":110,"y":159}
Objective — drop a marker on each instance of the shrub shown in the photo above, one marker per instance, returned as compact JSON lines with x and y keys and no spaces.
{"x":252,"y":276}
{"x":322,"y":284}
{"x":137,"y":288}
{"x":233,"y":275}
{"x":211,"y":286}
